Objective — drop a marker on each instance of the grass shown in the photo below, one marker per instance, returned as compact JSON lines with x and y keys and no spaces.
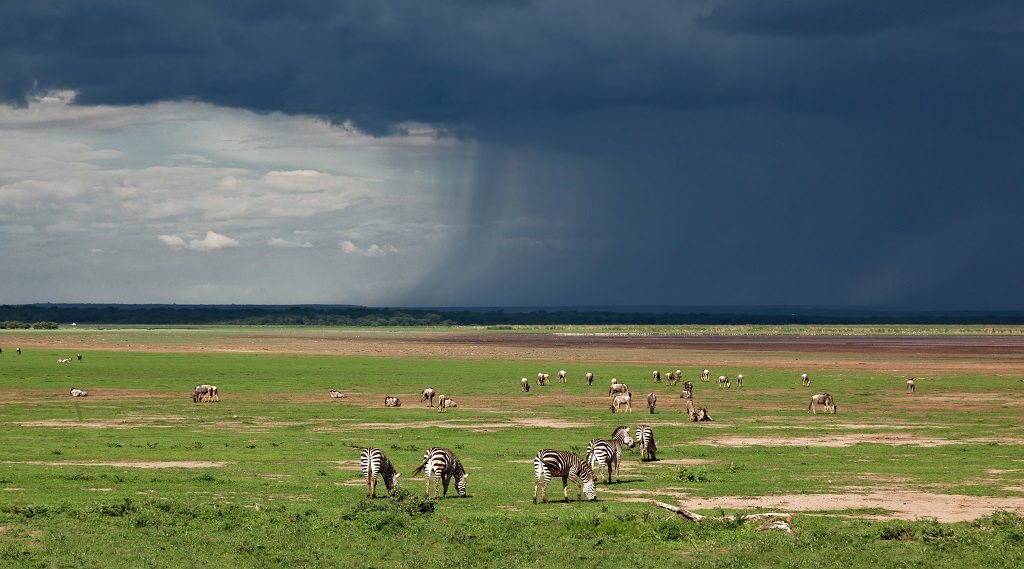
{"x":290,"y":494}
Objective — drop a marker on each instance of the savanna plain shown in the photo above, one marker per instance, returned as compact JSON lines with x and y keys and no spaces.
{"x":136,"y":474}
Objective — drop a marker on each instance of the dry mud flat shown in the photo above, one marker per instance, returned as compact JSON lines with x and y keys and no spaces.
{"x":927,"y":354}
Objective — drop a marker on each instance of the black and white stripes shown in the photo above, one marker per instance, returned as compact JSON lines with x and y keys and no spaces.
{"x":565,"y":465}
{"x":444,"y":465}
{"x":608,"y":454}
{"x":373,"y":461}
{"x":645,"y":438}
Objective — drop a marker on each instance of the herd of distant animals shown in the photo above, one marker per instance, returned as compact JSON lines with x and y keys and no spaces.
{"x":441,"y":466}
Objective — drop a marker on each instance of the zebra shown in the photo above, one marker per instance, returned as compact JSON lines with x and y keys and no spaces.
{"x":911,"y":385}
{"x":672,"y":378}
{"x":561,"y":375}
{"x":373,"y":461}
{"x":17,"y":351}
{"x":543,"y":378}
{"x":428,"y":396}
{"x":606,"y":454}
{"x":589,"y":378}
{"x":656,"y":375}
{"x":805,"y":380}
{"x":66,"y":360}
{"x":335,"y":394}
{"x":823,"y":399}
{"x":392,"y":401}
{"x":723,"y":381}
{"x":705,"y":375}
{"x":645,"y":438}
{"x":443,"y":464}
{"x":617,"y":389}
{"x":551,"y":463}
{"x":524,"y":385}
{"x":652,"y":401}
{"x":620,"y":400}
{"x":79,"y":357}
{"x":739,"y":380}
{"x":76,"y":392}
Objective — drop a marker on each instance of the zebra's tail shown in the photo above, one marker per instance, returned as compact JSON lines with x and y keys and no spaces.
{"x":419,"y":468}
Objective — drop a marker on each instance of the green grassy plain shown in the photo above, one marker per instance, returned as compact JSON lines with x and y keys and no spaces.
{"x":289,"y":492}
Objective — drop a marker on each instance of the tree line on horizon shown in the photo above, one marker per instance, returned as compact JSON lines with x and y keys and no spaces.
{"x":52,"y":315}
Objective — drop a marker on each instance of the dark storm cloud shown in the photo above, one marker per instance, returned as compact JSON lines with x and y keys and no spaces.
{"x":714,"y":151}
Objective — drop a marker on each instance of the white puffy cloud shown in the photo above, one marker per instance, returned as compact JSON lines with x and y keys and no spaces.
{"x":279,"y":242}
{"x":213,"y":241}
{"x":372,"y":251}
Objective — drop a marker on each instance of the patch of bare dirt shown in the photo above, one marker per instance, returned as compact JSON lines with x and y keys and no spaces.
{"x":849,"y":439}
{"x":903,"y":504}
{"x":126,"y":464}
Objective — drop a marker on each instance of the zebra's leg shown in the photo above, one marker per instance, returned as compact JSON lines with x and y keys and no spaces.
{"x":536,"y":481}
{"x":565,"y":488}
{"x":437,"y":486}
{"x":371,"y":483}
{"x":544,"y":489}
{"x":445,"y":479}
{"x":427,"y":490}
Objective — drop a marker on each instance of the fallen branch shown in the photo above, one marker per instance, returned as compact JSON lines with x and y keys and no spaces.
{"x":773,"y":518}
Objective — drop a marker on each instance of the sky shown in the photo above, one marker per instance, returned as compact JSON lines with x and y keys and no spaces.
{"x":513,"y":152}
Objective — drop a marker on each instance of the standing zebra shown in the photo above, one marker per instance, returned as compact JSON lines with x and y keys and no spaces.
{"x":656,"y":375}
{"x":589,"y":378}
{"x":705,"y":375}
{"x":739,"y":380}
{"x":373,"y":461}
{"x":606,"y":454}
{"x":428,"y":396}
{"x":524,"y":385}
{"x":652,"y":401}
{"x":550,"y":463}
{"x":645,"y":438}
{"x":443,"y":464}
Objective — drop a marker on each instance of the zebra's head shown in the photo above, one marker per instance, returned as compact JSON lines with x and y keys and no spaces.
{"x":589,"y":483}
{"x":621,"y":434}
{"x":460,"y":485}
{"x":392,"y":482}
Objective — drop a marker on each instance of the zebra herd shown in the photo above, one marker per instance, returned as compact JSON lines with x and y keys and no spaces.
{"x":440,"y":466}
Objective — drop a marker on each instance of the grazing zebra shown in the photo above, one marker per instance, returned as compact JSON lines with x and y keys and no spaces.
{"x":205,"y":392}
{"x":428,"y":396}
{"x":563,"y":464}
{"x":645,"y":438}
{"x":524,"y":385}
{"x":672,"y":378}
{"x":823,"y":399}
{"x":608,"y":454}
{"x":805,"y":379}
{"x":705,"y":375}
{"x":443,"y":464}
{"x":723,"y":381}
{"x":620,"y":400}
{"x":652,"y":401}
{"x":391,"y":401}
{"x":76,"y":392}
{"x":911,"y":385}
{"x":679,"y":374}
{"x":17,"y":351}
{"x":561,"y":375}
{"x":656,"y":375}
{"x":739,"y":380}
{"x":335,"y":394}
{"x":79,"y":357}
{"x":618,"y":388}
{"x":373,"y":461}
{"x":589,"y":378}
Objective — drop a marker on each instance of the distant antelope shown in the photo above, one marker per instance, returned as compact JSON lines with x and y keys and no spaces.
{"x":619,"y":400}
{"x":524,"y":385}
{"x":656,"y":375}
{"x":652,"y":401}
{"x":805,"y":379}
{"x":911,"y":385}
{"x":723,"y":381}
{"x":823,"y":399}
{"x":428,"y":396}
{"x":618,"y":388}
{"x":561,"y":376}
{"x":739,"y":380}
{"x":589,"y":378}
